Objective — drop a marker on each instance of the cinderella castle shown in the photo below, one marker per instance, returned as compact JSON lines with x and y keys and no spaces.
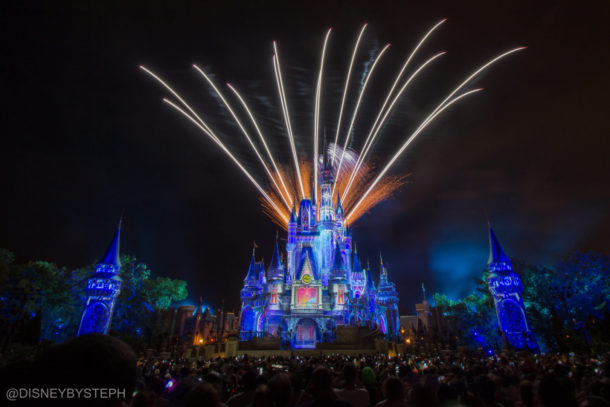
{"x":319,"y":285}
{"x":316,"y":290}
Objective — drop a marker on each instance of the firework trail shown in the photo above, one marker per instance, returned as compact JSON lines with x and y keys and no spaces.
{"x":347,"y":78}
{"x":357,"y":180}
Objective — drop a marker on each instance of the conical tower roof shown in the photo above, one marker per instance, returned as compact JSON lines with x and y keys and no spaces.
{"x":112,"y":254}
{"x":338,"y":263}
{"x":338,"y":207}
{"x":293,"y":213}
{"x":496,"y":254}
{"x":356,"y":267}
{"x":253,"y":269}
{"x":276,"y":262}
{"x":370,"y":284}
{"x":383,"y":272}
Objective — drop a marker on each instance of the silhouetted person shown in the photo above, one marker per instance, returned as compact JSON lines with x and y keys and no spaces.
{"x":243,"y":398}
{"x":369,"y":378}
{"x":393,"y":391}
{"x":526,"y":394}
{"x":321,"y":381}
{"x":357,"y":397}
{"x":445,"y":394}
{"x":204,"y":395}
{"x":88,"y":361}
{"x":262,"y":397}
{"x":421,"y":396}
{"x":552,"y":392}
{"x":281,"y":389}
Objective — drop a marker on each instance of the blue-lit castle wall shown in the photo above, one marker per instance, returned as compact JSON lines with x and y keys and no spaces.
{"x":102,"y":290}
{"x":320,"y":285}
{"x":505,"y":287}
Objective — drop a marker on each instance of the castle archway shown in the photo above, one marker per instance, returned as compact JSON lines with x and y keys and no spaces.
{"x":306,"y":334}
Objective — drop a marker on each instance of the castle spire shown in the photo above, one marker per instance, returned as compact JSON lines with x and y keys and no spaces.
{"x":252,"y":268}
{"x":383,"y":269}
{"x":356,"y":267}
{"x":496,"y":255}
{"x":339,"y":208}
{"x":383,"y":272}
{"x":276,"y":262}
{"x":338,"y":263}
{"x":293,"y":212}
{"x":423,"y":290}
{"x":112,"y":254}
{"x":102,"y":291}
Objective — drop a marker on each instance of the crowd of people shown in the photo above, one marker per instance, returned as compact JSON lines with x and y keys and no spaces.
{"x":415,"y":380}
{"x":424,"y":380}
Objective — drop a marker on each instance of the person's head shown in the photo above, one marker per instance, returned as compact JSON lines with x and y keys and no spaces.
{"x":393,"y":389}
{"x":248,"y":380}
{"x":281,"y":390}
{"x":552,"y":392}
{"x":526,"y":393}
{"x":89,"y":361}
{"x":368,"y":376}
{"x":421,"y":396}
{"x":350,"y":372}
{"x":203,"y":394}
{"x":262,"y":397}
{"x":321,"y":379}
{"x":215,"y":379}
{"x":144,"y":398}
{"x":185,"y":371}
{"x":446,"y":393}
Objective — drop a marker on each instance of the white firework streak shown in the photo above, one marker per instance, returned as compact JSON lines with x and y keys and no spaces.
{"x":353,"y":161}
{"x":280,"y":82}
{"x":349,"y":73}
{"x":425,"y":123}
{"x":457,"y":89}
{"x":398,"y":77}
{"x":439,"y":109}
{"x":316,"y":125}
{"x":260,"y":134}
{"x":173,"y":92}
{"x":351,"y":126}
{"x":375,"y":130}
{"x":204,"y":128}
{"x":242,"y":128}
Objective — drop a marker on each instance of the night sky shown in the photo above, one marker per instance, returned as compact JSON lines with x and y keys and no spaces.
{"x":85,"y":133}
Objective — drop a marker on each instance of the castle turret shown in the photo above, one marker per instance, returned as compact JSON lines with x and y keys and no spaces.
{"x":291,"y":244}
{"x":305,"y":221}
{"x":383,"y":272}
{"x":275,"y":276}
{"x":102,"y":290}
{"x":505,"y":286}
{"x":357,"y":277}
{"x":326,"y":215}
{"x":338,"y":281}
{"x":339,"y":209}
{"x":339,"y":271}
{"x":252,"y":282}
{"x":387,"y":304}
{"x":252,"y":277}
{"x":314,"y":206}
{"x":276,"y":270}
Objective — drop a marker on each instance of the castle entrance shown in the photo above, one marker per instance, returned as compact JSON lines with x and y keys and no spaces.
{"x":305,"y":334}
